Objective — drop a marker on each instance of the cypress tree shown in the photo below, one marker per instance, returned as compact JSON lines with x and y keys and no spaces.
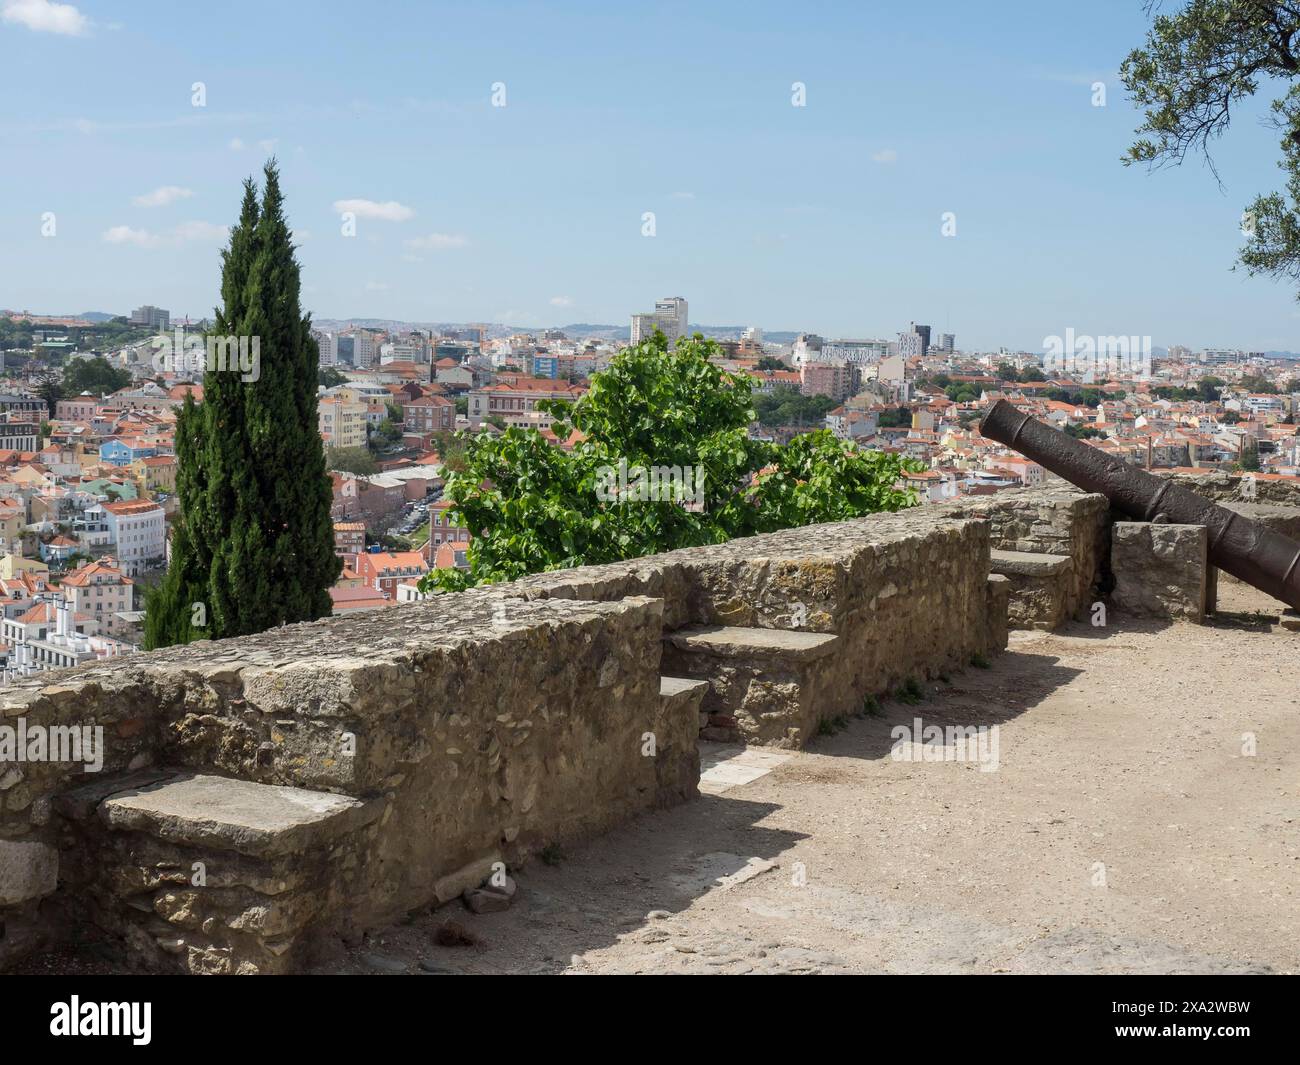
{"x":254,"y":542}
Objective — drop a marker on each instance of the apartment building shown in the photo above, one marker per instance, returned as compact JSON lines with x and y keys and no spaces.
{"x":138,"y":530}
{"x":384,"y":571}
{"x":515,"y":401}
{"x":102,"y":591}
{"x":442,"y":529}
{"x":341,"y":421}
{"x":349,"y":537}
{"x":428,"y":414}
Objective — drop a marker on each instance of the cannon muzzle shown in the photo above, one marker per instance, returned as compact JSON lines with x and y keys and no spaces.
{"x":1260,"y":557}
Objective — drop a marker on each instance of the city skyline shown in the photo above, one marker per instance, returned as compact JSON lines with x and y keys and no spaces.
{"x":828,"y":216}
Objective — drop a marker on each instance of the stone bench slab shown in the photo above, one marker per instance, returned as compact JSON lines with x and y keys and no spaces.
{"x":260,"y":820}
{"x":730,"y":641}
{"x":672,"y":688}
{"x":1028,"y":564}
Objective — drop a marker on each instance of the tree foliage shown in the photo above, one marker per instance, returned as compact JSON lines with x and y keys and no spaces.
{"x":97,"y":376}
{"x":789,"y":406}
{"x":1200,"y":63}
{"x":253,"y":547}
{"x":532,"y":506}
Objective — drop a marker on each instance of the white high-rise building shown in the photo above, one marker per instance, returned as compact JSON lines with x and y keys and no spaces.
{"x":329,"y":347}
{"x":669,"y":317}
{"x":363,"y":350}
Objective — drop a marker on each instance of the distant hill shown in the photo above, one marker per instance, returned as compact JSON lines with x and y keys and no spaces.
{"x":94,"y":316}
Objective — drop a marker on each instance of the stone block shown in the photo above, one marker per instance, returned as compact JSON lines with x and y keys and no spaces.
{"x":1161,"y":570}
{"x":1039,"y":596}
{"x":28,"y":870}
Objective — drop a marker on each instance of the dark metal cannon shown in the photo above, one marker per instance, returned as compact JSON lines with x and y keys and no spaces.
{"x":1260,"y":557}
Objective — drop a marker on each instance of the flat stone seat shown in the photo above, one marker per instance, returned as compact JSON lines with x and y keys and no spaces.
{"x":1028,"y":564}
{"x":259,"y":820}
{"x":681,"y":688}
{"x":733,"y":641}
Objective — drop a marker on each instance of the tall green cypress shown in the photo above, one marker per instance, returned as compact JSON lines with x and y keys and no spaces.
{"x":255,"y":536}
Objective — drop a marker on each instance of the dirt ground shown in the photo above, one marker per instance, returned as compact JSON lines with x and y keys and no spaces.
{"x":1128,"y":828}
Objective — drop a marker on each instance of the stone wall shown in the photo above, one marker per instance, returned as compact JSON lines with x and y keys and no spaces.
{"x":331,"y":776}
{"x":1224,"y":487}
{"x":1054,"y":520}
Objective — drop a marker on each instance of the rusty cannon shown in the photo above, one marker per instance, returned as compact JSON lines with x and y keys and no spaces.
{"x":1260,"y":557}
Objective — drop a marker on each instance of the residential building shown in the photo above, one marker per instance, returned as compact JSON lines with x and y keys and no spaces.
{"x":514,"y":400}
{"x":341,"y":421}
{"x":349,"y":537}
{"x":428,"y":414}
{"x":152,"y":317}
{"x":383,"y":571}
{"x":442,"y":529}
{"x":669,"y":317}
{"x":100,"y":590}
{"x":138,"y":531}
{"x":19,"y":435}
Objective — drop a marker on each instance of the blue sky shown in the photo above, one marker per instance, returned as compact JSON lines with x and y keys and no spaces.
{"x":824,"y":218}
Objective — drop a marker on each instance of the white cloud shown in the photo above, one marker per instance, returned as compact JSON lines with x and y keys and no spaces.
{"x":683,"y":195}
{"x":885,"y":155}
{"x":127,"y":235}
{"x":236,"y":145}
{"x":185,"y":233}
{"x":268,"y":145}
{"x":43,"y":16}
{"x":437,"y":241}
{"x":390,"y":211}
{"x":376,"y":286}
{"x":561,"y":301}
{"x":163,"y":196}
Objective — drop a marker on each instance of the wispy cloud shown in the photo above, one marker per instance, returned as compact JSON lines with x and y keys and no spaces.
{"x":43,"y":16}
{"x":561,"y":301}
{"x":389,"y":211}
{"x":437,"y":241}
{"x":163,"y":196}
{"x":185,"y":233}
{"x":885,"y":155}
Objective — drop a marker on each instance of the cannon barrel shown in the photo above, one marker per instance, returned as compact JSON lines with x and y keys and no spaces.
{"x":1260,"y":557}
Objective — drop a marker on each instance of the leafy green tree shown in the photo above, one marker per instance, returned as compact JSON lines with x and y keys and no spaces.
{"x":532,"y":506}
{"x":1198,"y":64}
{"x":358,"y":460}
{"x":895,"y":418}
{"x":789,"y":406}
{"x":1250,"y":458}
{"x":767,"y":362}
{"x":49,"y":388}
{"x":328,"y":377}
{"x":254,"y":543}
{"x":97,"y":376}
